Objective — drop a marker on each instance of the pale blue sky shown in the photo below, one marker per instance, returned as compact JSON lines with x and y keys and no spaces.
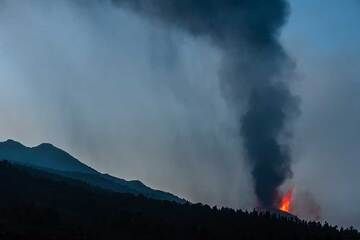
{"x":323,"y":37}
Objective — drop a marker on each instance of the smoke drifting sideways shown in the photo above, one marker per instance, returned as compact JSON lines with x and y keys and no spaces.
{"x":254,"y":73}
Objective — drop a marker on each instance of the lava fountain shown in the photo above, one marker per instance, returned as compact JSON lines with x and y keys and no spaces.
{"x":286,"y":202}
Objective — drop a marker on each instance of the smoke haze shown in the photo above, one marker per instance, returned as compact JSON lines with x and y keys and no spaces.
{"x":252,"y":71}
{"x":76,"y":79}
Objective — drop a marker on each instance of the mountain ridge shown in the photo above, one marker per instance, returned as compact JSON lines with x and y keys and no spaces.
{"x":50,"y":158}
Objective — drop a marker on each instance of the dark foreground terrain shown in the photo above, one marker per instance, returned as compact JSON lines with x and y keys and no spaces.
{"x":38,"y":205}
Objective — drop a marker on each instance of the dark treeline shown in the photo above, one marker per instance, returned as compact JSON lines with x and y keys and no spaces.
{"x":38,"y":205}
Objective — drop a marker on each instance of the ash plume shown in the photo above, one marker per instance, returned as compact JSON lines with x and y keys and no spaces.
{"x":253,"y":75}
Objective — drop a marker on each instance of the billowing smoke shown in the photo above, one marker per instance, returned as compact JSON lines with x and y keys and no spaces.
{"x":254,"y":73}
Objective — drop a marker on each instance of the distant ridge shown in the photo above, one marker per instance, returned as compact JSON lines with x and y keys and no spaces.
{"x":54,"y":160}
{"x":44,"y":155}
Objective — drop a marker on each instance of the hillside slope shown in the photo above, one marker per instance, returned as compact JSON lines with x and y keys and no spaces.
{"x":52,"y":159}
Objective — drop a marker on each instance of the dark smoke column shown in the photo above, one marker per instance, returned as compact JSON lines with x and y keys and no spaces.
{"x":253,"y":72}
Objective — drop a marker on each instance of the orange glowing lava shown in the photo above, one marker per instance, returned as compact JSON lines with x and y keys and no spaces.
{"x":286,"y":202}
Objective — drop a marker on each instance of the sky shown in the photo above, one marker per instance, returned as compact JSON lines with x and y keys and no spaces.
{"x":143,"y":101}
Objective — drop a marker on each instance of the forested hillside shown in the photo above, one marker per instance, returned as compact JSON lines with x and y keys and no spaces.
{"x":40,"y":205}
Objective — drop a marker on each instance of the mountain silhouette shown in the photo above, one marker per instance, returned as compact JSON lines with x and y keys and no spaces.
{"x":54,"y":160}
{"x":36,"y":204}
